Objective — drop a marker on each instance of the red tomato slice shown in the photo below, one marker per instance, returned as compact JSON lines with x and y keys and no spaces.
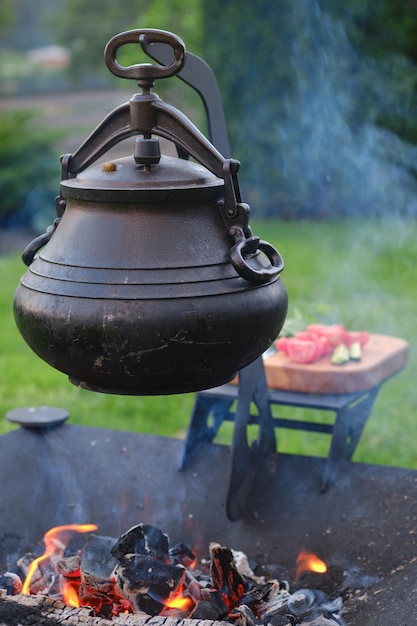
{"x":282,"y":344}
{"x":357,"y":336}
{"x":302,"y":350}
{"x":319,"y":340}
{"x":335,"y":333}
{"x":325,"y":346}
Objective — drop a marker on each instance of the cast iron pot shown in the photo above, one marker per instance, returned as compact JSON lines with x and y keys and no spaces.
{"x":150,"y":281}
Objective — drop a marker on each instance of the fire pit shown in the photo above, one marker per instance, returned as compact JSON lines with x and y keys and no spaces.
{"x":363,"y":526}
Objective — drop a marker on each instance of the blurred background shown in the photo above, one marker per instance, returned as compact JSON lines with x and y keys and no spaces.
{"x":320,"y":98}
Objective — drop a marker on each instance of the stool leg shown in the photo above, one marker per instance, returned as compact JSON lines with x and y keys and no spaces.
{"x":347,"y":430}
{"x":200,"y":431}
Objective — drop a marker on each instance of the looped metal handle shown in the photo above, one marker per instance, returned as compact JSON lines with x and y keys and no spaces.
{"x":248,"y":247}
{"x":31,"y":249}
{"x":145,"y":71}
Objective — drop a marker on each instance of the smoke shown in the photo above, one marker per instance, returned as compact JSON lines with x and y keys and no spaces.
{"x":327,"y":155}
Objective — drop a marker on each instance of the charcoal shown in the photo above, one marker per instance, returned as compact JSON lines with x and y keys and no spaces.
{"x":211,"y":606}
{"x":156,"y":543}
{"x":11,"y":582}
{"x":194,"y":590}
{"x":312,"y":606}
{"x":303,"y":603}
{"x":146,"y":582}
{"x":101,"y":600}
{"x":243,"y":567}
{"x":257,"y":593}
{"x":43,"y":578}
{"x":97,"y":562}
{"x":317,"y":621}
{"x":141,"y":573}
{"x":182,"y":555}
{"x":225,"y":575}
{"x":69,"y":566}
{"x":146,"y":604}
{"x":195,"y":585}
{"x":273,"y":608}
{"x":131,"y":542}
{"x":243,"y":616}
{"x":24,"y":563}
{"x":142,"y":539}
{"x":282,"y":619}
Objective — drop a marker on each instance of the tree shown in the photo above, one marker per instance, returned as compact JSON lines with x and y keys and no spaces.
{"x":6,"y":14}
{"x":29,"y":169}
{"x":84,"y":27}
{"x":102,"y":19}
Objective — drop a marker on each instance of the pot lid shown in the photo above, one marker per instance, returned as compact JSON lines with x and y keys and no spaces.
{"x":124,"y":180}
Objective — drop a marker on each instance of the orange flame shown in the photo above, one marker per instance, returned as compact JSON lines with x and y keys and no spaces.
{"x":179,"y":601}
{"x":55,"y":541}
{"x":70,"y":594}
{"x":309,"y":562}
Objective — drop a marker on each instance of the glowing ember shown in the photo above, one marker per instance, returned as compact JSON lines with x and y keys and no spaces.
{"x":309,"y":562}
{"x":55,"y":540}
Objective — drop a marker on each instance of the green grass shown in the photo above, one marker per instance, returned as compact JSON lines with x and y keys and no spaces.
{"x":360,"y":273}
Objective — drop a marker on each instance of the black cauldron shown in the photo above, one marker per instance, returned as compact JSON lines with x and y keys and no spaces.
{"x":150,"y":281}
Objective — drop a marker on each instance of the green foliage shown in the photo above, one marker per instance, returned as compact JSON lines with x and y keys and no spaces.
{"x":86,"y":27}
{"x":29,"y":167}
{"x":6,"y":14}
{"x":378,"y":28}
{"x":102,"y":19}
{"x":385,"y":32}
{"x":182,"y":17}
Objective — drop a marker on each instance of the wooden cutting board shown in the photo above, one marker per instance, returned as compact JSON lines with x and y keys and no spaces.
{"x":382,"y":357}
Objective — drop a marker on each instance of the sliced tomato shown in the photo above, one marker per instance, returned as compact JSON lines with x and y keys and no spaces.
{"x":282,"y":344}
{"x":326,"y":348}
{"x":357,"y":336}
{"x":334,"y":333}
{"x":302,"y":350}
{"x":317,"y":341}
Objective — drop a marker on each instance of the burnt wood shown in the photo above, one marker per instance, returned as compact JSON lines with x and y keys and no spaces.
{"x":225,"y":575}
{"x":41,"y":611}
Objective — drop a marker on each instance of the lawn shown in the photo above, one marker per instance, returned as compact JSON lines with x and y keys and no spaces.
{"x":359,"y":273}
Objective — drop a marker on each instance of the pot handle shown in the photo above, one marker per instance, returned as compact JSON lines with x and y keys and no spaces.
{"x":145,"y":71}
{"x":235,"y":214}
{"x":34,"y":246}
{"x":246,"y":247}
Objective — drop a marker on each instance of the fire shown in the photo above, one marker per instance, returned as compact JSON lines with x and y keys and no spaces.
{"x":309,"y":562}
{"x":179,"y":601}
{"x":70,"y":594}
{"x":55,"y":540}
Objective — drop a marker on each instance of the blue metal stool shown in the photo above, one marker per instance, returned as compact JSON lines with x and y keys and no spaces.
{"x":214,"y":406}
